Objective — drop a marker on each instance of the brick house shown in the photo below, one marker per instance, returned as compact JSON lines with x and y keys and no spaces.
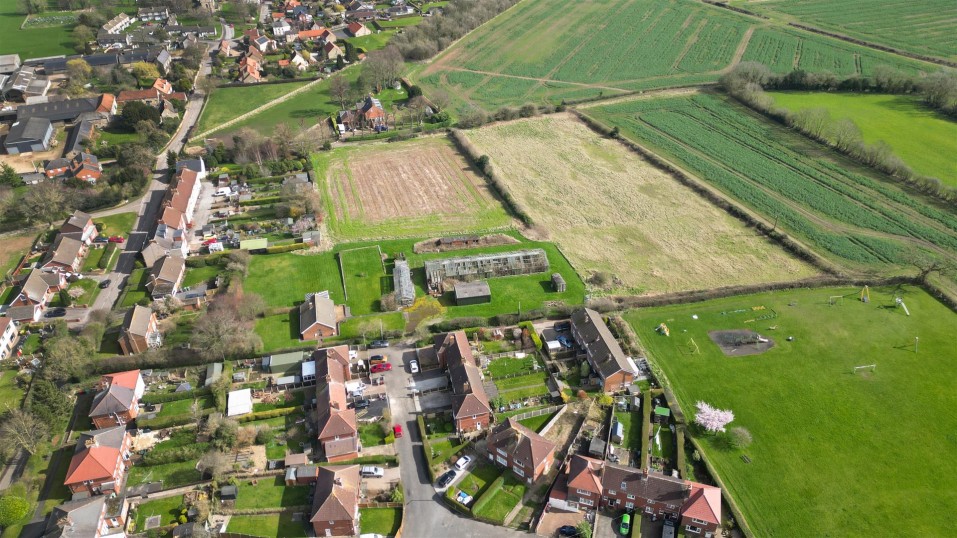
{"x":166,"y":277}
{"x":38,"y":289}
{"x":140,"y":331}
{"x":100,"y":461}
{"x":470,"y":408}
{"x":8,"y":337}
{"x":317,"y":317}
{"x":336,"y":423}
{"x":524,"y":452}
{"x":93,"y":517}
{"x":82,"y":223}
{"x":66,"y":255}
{"x":605,"y":357}
{"x":117,"y":401}
{"x":583,"y":480}
{"x":335,"y":505}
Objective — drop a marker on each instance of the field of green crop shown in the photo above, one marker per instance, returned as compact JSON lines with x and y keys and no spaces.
{"x":829,"y":445}
{"x":806,"y":189}
{"x":925,"y":140}
{"x":551,"y":50}
{"x":928,"y":27}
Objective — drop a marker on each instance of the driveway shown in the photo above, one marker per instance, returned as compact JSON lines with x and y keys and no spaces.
{"x":607,"y":526}
{"x":425,"y":515}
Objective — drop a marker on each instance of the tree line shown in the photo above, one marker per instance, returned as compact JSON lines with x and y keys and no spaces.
{"x":435,"y":34}
{"x":748,"y":81}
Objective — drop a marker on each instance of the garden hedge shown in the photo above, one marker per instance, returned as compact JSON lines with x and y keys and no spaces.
{"x":496,"y":486}
{"x":173,"y":396}
{"x":107,"y":255}
{"x":386,"y":459}
{"x":532,"y":333}
{"x":426,"y":446}
{"x":286,"y":248}
{"x":272,"y":413}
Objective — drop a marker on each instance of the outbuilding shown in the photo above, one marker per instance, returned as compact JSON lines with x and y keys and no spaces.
{"x":467,"y":293}
{"x":26,"y":135}
{"x":239,"y":402}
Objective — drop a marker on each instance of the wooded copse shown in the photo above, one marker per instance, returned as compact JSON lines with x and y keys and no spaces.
{"x":748,"y":80}
{"x":435,"y":34}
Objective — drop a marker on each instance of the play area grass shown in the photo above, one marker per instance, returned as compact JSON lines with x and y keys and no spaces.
{"x":925,"y":140}
{"x":829,"y":443}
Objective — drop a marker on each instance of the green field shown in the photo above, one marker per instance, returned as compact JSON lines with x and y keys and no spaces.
{"x":552,"y":50}
{"x":227,"y":103}
{"x":119,"y":224}
{"x":371,"y":42}
{"x":833,"y":443}
{"x":366,"y":280}
{"x":927,"y":27}
{"x":841,"y":209}
{"x":32,"y":42}
{"x":924,"y":140}
{"x":267,"y":525}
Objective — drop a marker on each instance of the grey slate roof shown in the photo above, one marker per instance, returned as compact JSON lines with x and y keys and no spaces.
{"x":81,"y":518}
{"x":33,"y":128}
{"x":115,"y":399}
{"x":317,"y":309}
{"x":602,"y":348}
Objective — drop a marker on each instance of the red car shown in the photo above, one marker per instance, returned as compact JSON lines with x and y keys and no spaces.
{"x":208,"y":242}
{"x":116,"y":239}
{"x":397,"y":431}
{"x":379,"y":368}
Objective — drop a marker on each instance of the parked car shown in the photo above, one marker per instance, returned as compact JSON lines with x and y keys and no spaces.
{"x":55,"y":313}
{"x":567,"y":530}
{"x":463,"y":462}
{"x":360,"y":404}
{"x":446,"y":479}
{"x":625,"y":526}
{"x":463,"y":498}
{"x":565,"y":341}
{"x":208,"y":242}
{"x":116,"y":239}
{"x":414,"y":366}
{"x":101,"y":239}
{"x":105,"y":284}
{"x":379,"y":344}
{"x":371,"y":471}
{"x":378,"y":359}
{"x":379,"y":368}
{"x":397,"y":431}
{"x":563,"y":326}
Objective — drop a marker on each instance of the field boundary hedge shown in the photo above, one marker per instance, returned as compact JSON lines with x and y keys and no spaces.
{"x":471,"y":152}
{"x":871,"y":45}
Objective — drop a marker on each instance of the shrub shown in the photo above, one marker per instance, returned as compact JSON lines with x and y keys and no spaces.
{"x":263,"y":436}
{"x":489,"y":493}
{"x":107,"y":254}
{"x":12,"y":509}
{"x":286,"y":248}
{"x":273,"y":413}
{"x":527,"y":325}
{"x":740,"y":438}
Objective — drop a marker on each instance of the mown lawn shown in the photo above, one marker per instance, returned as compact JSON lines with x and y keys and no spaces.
{"x":384,"y":521}
{"x":537,"y":423}
{"x":509,"y":365}
{"x":371,"y":434}
{"x":228,"y":103}
{"x":280,"y":331}
{"x":135,"y":287}
{"x":10,"y":394}
{"x":504,"y":500}
{"x":285,"y":279}
{"x":168,"y":508}
{"x":366,"y":280}
{"x":91,"y":289}
{"x":822,"y":433}
{"x":372,"y":42}
{"x":171,"y":474}
{"x":92,"y":259}
{"x":120,"y":224}
{"x":267,"y":525}
{"x":270,"y":492}
{"x":631,"y":424}
{"x":521,"y":381}
{"x":199,"y":275}
{"x":476,"y":481}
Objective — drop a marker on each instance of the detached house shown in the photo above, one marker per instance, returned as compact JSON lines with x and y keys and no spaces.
{"x":331,"y":51}
{"x":357,"y":29}
{"x":249,"y":70}
{"x":524,"y":452}
{"x":117,"y":402}
{"x":470,"y":407}
{"x":8,"y":337}
{"x":336,"y":424}
{"x":38,"y":288}
{"x":81,"y":223}
{"x":605,"y":357}
{"x":100,"y":461}
{"x":140,"y":331}
{"x":335,"y":506}
{"x":317,"y":317}
{"x":93,"y":517}
{"x":166,"y":276}
{"x":83,"y":166}
{"x":368,"y":114}
{"x":66,"y":255}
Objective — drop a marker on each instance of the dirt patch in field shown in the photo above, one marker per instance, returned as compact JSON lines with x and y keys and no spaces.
{"x":738,"y":343}
{"x":612,"y":212}
{"x":432,"y":245}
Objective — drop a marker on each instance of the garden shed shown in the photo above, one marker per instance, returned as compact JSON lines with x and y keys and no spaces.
{"x":228,"y":493}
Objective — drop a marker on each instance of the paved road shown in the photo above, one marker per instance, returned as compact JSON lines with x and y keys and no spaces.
{"x":425,"y":515}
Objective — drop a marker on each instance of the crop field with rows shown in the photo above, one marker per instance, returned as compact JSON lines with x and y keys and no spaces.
{"x":928,"y":27}
{"x":547,"y":50}
{"x":804,"y":188}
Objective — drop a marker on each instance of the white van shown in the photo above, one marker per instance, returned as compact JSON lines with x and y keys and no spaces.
{"x":223,"y":191}
{"x":370,"y":471}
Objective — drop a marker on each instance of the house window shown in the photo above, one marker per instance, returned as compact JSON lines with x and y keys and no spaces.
{"x":502,"y":460}
{"x":623,"y":485}
{"x":699,"y":522}
{"x":518,"y":471}
{"x":583,"y":492}
{"x":692,"y":528}
{"x":631,"y":497}
{"x":611,"y":492}
{"x":629,"y":506}
{"x":502,"y":452}
{"x":586,"y":502}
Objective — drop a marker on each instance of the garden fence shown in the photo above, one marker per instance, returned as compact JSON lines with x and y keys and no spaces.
{"x":537,"y":412}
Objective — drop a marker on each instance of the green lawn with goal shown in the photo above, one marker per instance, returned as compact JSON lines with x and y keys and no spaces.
{"x":835,"y":453}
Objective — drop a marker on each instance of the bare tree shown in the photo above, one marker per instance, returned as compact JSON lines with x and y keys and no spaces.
{"x":23,"y":430}
{"x":216,"y":333}
{"x":340,"y":89}
{"x":215,"y":463}
{"x":45,"y":202}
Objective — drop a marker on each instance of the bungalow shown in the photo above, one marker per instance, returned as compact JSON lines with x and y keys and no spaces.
{"x":336,"y":423}
{"x":38,"y":288}
{"x":615,"y":370}
{"x":66,"y":255}
{"x":117,"y":402}
{"x":524,"y":452}
{"x":9,"y":336}
{"x":166,"y":277}
{"x":310,"y":35}
{"x":81,"y":223}
{"x":263,"y":44}
{"x":100,"y":461}
{"x":140,"y":331}
{"x":362,"y":14}
{"x":357,"y":29}
{"x":95,"y":517}
{"x":335,"y":505}
{"x":317,"y":317}
{"x":470,"y":408}
{"x":83,"y":166}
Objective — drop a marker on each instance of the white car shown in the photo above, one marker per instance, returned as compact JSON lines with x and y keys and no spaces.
{"x":414,"y":366}
{"x":463,"y":462}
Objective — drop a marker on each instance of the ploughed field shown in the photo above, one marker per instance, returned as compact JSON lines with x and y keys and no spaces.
{"x":613,"y":212}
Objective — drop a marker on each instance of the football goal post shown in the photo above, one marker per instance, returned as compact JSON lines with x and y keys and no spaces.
{"x":871,"y":367}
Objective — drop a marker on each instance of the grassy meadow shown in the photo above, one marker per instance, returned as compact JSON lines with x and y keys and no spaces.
{"x":924,"y":140}
{"x":228,"y":103}
{"x":119,"y":224}
{"x":834,"y":443}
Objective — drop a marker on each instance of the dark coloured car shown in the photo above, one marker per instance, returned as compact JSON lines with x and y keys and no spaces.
{"x":56,"y":313}
{"x":360,"y":404}
{"x":446,"y":479}
{"x":379,"y":344}
{"x":101,"y":239}
{"x":565,"y":341}
{"x":563,"y":326}
{"x":567,"y":530}
{"x":105,"y":284}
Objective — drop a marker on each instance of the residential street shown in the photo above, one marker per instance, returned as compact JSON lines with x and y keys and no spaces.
{"x":425,"y":515}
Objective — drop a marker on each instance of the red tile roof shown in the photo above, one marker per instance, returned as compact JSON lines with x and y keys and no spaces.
{"x":703,"y":504}
{"x":94,"y":463}
{"x":124,"y":379}
{"x":138,"y":95}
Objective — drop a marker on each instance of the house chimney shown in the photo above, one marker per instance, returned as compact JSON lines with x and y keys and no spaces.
{"x":91,"y":442}
{"x":337,"y":481}
{"x":644,"y":472}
